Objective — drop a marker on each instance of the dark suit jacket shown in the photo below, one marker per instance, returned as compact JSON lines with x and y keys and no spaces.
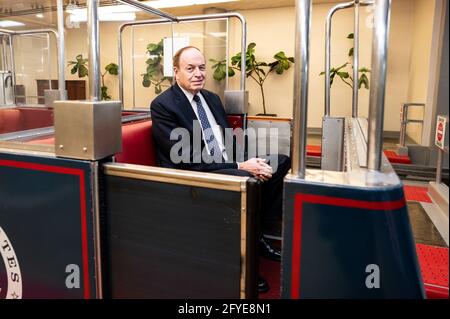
{"x":171,"y":110}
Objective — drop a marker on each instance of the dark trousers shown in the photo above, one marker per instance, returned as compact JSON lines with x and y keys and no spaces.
{"x":272,"y":190}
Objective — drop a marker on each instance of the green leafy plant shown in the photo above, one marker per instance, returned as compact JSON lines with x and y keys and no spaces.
{"x":154,"y":74}
{"x":345,"y":76}
{"x":80,"y":66}
{"x":112,"y":69}
{"x":257,"y":70}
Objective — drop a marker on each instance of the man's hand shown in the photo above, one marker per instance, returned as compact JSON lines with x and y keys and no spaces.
{"x":258,"y":168}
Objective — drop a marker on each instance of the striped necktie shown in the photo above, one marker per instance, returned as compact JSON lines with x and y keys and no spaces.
{"x":212,"y":142}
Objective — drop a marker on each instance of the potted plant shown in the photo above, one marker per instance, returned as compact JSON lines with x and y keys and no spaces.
{"x":154,"y":74}
{"x":80,"y":66}
{"x":345,"y":76}
{"x":256,"y":70}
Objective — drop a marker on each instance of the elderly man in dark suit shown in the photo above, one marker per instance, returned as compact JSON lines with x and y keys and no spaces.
{"x":188,"y":106}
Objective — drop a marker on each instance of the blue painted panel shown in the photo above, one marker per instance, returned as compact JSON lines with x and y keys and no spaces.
{"x":331,"y":234}
{"x":46,"y":214}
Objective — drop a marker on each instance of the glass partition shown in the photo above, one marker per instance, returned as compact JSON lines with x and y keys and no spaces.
{"x":147,"y":57}
{"x":35,"y":66}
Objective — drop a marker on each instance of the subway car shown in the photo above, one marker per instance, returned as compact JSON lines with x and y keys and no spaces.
{"x":353,"y":94}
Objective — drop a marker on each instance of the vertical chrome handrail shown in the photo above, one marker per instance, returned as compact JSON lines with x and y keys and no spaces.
{"x":356,"y":4}
{"x":378,"y":82}
{"x":328,"y":52}
{"x":60,"y":48}
{"x":355,"y":61}
{"x":404,"y":121}
{"x":94,"y":50}
{"x":13,"y":66}
{"x":300,"y":103}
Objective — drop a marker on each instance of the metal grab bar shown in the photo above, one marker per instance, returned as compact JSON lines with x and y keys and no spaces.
{"x":149,"y":9}
{"x":356,"y":4}
{"x":59,"y":47}
{"x":404,"y":120}
{"x":301,"y":72}
{"x":378,"y":80}
{"x":94,"y":50}
{"x":203,"y":17}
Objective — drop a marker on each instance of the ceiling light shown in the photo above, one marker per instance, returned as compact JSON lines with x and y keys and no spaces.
{"x":158,"y":4}
{"x":39,"y":15}
{"x":10,"y":23}
{"x":82,"y":17}
{"x":104,"y":10}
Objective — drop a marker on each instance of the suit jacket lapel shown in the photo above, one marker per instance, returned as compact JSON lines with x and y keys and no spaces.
{"x":184,"y":106}
{"x":217,"y":115}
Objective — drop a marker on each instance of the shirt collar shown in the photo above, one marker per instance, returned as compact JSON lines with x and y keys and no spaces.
{"x":188,"y":94}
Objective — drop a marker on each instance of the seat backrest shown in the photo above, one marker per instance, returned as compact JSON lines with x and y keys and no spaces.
{"x":137,"y":144}
{"x":9,"y":121}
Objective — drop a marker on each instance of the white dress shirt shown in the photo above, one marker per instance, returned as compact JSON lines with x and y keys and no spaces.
{"x":212,"y":121}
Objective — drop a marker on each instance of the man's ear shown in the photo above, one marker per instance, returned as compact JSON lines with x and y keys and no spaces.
{"x":175,"y":72}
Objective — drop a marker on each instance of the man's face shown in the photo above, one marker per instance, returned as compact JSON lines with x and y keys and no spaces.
{"x":192,"y":71}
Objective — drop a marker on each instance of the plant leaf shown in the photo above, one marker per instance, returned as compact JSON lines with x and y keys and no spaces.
{"x":112,"y":69}
{"x":350,"y":36}
{"x":82,"y":71}
{"x":350,"y":52}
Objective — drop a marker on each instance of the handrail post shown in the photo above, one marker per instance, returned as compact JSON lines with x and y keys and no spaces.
{"x":60,"y":44}
{"x":300,"y":104}
{"x":378,"y":80}
{"x":328,"y":52}
{"x":94,"y":50}
{"x":355,"y":61}
{"x":403,"y":124}
{"x":439,"y":166}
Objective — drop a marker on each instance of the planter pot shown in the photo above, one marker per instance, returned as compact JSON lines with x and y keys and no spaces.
{"x":262,"y":114}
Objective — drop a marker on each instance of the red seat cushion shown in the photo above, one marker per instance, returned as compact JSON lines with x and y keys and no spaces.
{"x":137,"y":144}
{"x":395,"y":158}
{"x":236,"y":121}
{"x":314,"y":150}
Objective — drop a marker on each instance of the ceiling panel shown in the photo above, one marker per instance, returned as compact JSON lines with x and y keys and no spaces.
{"x":26,"y":10}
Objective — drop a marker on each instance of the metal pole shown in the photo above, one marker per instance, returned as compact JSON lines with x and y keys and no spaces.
{"x":94,"y":50}
{"x":49,"y":61}
{"x":149,"y":9}
{"x":13,"y":67}
{"x":302,"y":40}
{"x":328,"y":52}
{"x":439,"y":166}
{"x":403,"y":124}
{"x":60,"y":47}
{"x":378,"y":80}
{"x":132,"y":67}
{"x":214,"y":16}
{"x":355,"y":62}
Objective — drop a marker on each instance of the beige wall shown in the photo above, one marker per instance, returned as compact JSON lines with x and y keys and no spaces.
{"x":273,"y":30}
{"x":422,"y":28}
{"x":279,"y":89}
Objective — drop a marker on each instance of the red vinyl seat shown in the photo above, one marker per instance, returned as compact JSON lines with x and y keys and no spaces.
{"x":19,"y":119}
{"x":9,"y":120}
{"x":137,"y":144}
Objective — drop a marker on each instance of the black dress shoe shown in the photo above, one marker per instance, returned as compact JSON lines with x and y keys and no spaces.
{"x":267,"y":251}
{"x":263,"y":286}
